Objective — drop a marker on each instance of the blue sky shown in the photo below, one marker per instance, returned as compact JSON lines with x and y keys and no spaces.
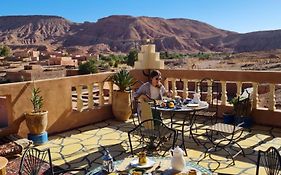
{"x":236,"y":15}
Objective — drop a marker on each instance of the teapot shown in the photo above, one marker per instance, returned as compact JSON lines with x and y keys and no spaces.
{"x":196,"y":98}
{"x":177,"y":161}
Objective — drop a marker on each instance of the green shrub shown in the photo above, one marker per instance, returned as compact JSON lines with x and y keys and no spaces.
{"x":132,"y":57}
{"x":5,"y":51}
{"x":88,"y":67}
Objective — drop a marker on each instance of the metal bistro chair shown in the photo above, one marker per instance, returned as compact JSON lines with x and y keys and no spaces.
{"x":209,"y":91}
{"x":33,"y":160}
{"x":152,"y":136}
{"x":225,"y":136}
{"x":271,"y":161}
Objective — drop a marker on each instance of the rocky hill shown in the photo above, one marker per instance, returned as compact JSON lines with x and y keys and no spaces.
{"x":121,"y":33}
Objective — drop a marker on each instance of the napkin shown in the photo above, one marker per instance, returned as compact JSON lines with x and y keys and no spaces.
{"x":125,"y":164}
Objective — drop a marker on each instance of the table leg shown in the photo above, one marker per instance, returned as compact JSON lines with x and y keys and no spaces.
{"x":192,"y":121}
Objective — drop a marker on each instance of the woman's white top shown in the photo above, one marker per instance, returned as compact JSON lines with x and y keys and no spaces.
{"x":154,"y":92}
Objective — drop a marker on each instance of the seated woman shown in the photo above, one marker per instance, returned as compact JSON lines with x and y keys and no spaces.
{"x":153,"y":89}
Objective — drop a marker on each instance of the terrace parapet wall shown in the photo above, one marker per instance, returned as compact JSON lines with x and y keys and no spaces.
{"x":81,"y":100}
{"x":71,"y":102}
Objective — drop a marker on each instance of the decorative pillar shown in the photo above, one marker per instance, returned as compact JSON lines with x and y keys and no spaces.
{"x":90,"y":95}
{"x":101,"y":99}
{"x":110,"y":84}
{"x":174,"y":88}
{"x":255,"y":95}
{"x":224,"y":93}
{"x":185,"y":88}
{"x":271,"y":104}
{"x":79,"y":98}
{"x":239,"y":88}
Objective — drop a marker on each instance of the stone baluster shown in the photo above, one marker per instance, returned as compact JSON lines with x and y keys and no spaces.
{"x":101,"y":98}
{"x":239,"y":88}
{"x":79,"y":98}
{"x":110,"y":84}
{"x":209,"y":91}
{"x":90,"y":95}
{"x":223,"y":93}
{"x":255,"y":95}
{"x":271,"y":105}
{"x":166,"y":84}
{"x":185,"y":88}
{"x":174,"y":88}
{"x":196,"y":86}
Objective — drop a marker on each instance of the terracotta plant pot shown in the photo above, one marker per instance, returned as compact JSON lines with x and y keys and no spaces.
{"x":121,"y":105}
{"x":37,"y":122}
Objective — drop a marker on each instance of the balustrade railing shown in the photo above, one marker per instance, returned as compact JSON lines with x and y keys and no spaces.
{"x":266,"y":109}
{"x":80,"y":100}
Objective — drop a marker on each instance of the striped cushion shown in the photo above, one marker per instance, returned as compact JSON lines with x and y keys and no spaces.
{"x":225,"y":128}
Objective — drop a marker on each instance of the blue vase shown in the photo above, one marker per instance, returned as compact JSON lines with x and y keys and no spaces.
{"x":247,"y":121}
{"x":228,"y":118}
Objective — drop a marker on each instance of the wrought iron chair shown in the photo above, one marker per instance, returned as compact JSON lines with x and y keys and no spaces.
{"x":209,"y":91}
{"x":33,"y":160}
{"x":145,"y":109}
{"x":225,"y":136}
{"x":135,"y":103}
{"x":152,"y":136}
{"x":271,"y":160}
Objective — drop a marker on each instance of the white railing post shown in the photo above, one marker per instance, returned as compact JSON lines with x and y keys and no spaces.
{"x":271,"y":105}
{"x":223,"y":93}
{"x":110,"y":84}
{"x":166,"y":84}
{"x":239,"y":88}
{"x":90,"y":95}
{"x":185,"y":88}
{"x":79,"y":98}
{"x":174,"y":88}
{"x":101,"y":98}
{"x":209,"y":91}
{"x":255,"y":95}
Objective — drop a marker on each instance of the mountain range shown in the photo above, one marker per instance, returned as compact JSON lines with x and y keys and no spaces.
{"x":121,"y":33}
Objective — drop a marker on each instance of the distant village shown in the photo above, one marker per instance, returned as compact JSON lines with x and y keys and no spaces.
{"x":29,"y":65}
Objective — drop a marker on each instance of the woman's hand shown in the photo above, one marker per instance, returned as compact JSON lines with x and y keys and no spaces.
{"x":169,"y":94}
{"x":143,"y":98}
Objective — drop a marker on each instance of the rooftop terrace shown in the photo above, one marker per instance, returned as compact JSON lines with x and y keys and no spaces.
{"x":84,"y":102}
{"x":81,"y":147}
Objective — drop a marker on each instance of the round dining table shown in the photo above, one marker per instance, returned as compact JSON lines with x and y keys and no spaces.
{"x":190,"y":111}
{"x":164,"y":169}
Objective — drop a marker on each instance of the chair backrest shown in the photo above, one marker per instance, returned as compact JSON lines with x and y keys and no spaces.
{"x":151,"y":131}
{"x":209,"y":91}
{"x":271,"y":160}
{"x":32,"y":161}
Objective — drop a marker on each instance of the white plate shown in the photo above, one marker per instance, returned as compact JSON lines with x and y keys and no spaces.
{"x":192,"y":105}
{"x":149,"y":163}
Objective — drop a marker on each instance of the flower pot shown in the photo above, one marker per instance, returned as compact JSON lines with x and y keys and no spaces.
{"x":247,"y":121}
{"x":228,"y":118}
{"x":121,"y":105}
{"x":37,"y":122}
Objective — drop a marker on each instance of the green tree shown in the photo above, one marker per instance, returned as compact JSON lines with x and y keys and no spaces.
{"x":132,"y":57}
{"x":88,"y":67}
{"x":5,"y":51}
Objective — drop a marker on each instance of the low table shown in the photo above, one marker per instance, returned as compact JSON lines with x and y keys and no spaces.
{"x":165,"y":166}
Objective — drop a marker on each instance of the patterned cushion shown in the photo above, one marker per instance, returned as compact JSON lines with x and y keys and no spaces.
{"x":225,"y":128}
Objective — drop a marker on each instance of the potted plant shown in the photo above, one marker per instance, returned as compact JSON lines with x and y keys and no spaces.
{"x":242,"y":108}
{"x":36,"y":120}
{"x":121,"y":99}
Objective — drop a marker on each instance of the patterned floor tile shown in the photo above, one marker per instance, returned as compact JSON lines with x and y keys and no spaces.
{"x":83,"y":147}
